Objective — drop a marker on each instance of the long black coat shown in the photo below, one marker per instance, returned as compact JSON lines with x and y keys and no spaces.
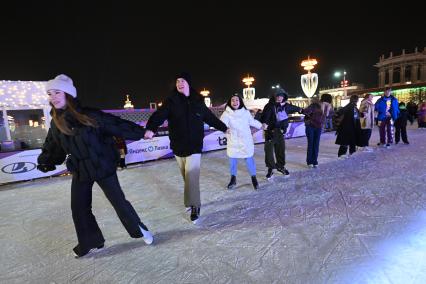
{"x":349,"y":130}
{"x":186,"y":117}
{"x":90,"y":153}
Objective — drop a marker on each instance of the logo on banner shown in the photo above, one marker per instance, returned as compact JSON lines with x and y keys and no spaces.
{"x":222,"y":141}
{"x":147,"y":149}
{"x":18,"y":168}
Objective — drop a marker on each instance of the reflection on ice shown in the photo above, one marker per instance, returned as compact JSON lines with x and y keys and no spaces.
{"x":400,"y":258}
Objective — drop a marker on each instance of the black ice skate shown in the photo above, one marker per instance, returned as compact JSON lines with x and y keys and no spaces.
{"x":232,"y":183}
{"x":78,"y":252}
{"x":270,"y":173}
{"x":254,"y":182}
{"x":284,"y":171}
{"x":195,"y":214}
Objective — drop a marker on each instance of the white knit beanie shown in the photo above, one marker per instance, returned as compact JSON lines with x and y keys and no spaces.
{"x":63,"y":83}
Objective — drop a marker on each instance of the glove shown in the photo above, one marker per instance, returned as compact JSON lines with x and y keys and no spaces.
{"x":46,"y":168}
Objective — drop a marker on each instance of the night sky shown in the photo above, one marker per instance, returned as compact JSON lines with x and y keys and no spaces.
{"x":112,"y":48}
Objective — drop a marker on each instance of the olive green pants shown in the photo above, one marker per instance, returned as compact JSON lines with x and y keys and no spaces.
{"x":190,"y":170}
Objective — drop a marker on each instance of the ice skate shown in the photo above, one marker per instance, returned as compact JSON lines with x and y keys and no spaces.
{"x":232,"y":183}
{"x":254,"y":182}
{"x":195,"y":214}
{"x":78,"y":252}
{"x":147,"y":236}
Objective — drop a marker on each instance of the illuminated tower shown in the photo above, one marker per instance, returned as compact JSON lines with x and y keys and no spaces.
{"x":205,"y":93}
{"x":249,"y":92}
{"x":309,"y":81}
{"x":128,"y":103}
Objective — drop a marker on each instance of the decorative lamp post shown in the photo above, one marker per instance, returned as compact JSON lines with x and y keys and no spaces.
{"x":205,"y":93}
{"x":309,"y":81}
{"x":249,"y":92}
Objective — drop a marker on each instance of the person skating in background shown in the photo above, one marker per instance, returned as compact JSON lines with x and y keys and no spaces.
{"x":366,"y":112}
{"x":122,"y":150}
{"x":412,"y":111}
{"x":186,"y":113}
{"x":387,"y":111}
{"x":314,"y":122}
{"x":401,"y":124}
{"x":327,"y":109}
{"x":421,"y":116}
{"x":240,"y":144}
{"x":83,"y":137}
{"x":275,"y":122}
{"x":349,"y":129}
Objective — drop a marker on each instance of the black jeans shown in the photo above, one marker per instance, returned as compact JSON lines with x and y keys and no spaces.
{"x":401,"y":130}
{"x":274,"y":144}
{"x":343,"y":149}
{"x":365,"y":137}
{"x":88,"y":233}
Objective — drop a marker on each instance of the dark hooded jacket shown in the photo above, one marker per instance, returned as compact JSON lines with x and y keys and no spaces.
{"x":90,"y":153}
{"x":269,"y":114}
{"x":186,"y":117}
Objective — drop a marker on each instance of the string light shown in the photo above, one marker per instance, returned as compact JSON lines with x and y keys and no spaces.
{"x":15,"y":94}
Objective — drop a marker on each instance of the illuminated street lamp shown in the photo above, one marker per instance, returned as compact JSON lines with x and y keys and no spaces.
{"x":309,"y":81}
{"x":249,"y":92}
{"x":343,"y":83}
{"x":205,"y":93}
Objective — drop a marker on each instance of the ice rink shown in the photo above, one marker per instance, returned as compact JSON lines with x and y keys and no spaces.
{"x":358,"y":220}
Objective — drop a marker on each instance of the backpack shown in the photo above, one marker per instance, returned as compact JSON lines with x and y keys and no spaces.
{"x":337,"y":118}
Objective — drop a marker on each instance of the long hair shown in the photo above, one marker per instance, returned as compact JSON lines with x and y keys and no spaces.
{"x":228,"y":103}
{"x":59,"y":117}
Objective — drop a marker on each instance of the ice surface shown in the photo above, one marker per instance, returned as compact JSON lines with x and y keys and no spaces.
{"x":359,"y":220}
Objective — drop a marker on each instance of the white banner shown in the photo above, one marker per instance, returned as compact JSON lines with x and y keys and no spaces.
{"x":214,"y":140}
{"x":147,"y":150}
{"x":22,"y":166}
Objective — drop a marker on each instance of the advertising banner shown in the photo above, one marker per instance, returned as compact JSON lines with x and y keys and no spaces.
{"x":21,"y":165}
{"x":147,"y":150}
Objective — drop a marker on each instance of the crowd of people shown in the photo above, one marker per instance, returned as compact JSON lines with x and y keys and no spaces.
{"x":87,"y":139}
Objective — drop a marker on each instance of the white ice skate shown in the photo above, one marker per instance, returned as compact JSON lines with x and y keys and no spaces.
{"x":147,"y":236}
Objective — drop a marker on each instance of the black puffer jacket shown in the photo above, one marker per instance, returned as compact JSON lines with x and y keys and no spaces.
{"x":91,"y":152}
{"x":186,"y":117}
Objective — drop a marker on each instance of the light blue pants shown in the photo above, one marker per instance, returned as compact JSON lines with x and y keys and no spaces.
{"x":251,"y":166}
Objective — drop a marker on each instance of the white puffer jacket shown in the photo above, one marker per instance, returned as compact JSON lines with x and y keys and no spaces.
{"x":240,"y":140}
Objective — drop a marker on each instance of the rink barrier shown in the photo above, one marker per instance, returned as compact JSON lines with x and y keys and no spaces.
{"x":21,"y":165}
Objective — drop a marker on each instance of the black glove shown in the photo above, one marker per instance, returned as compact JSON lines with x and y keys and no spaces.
{"x":46,"y":168}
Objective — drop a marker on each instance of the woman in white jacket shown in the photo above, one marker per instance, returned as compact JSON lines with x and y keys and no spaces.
{"x":240,"y":143}
{"x":366,"y":110}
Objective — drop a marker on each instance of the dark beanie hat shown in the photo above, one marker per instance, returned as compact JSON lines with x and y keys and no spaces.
{"x":186,"y":76}
{"x":281,"y":92}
